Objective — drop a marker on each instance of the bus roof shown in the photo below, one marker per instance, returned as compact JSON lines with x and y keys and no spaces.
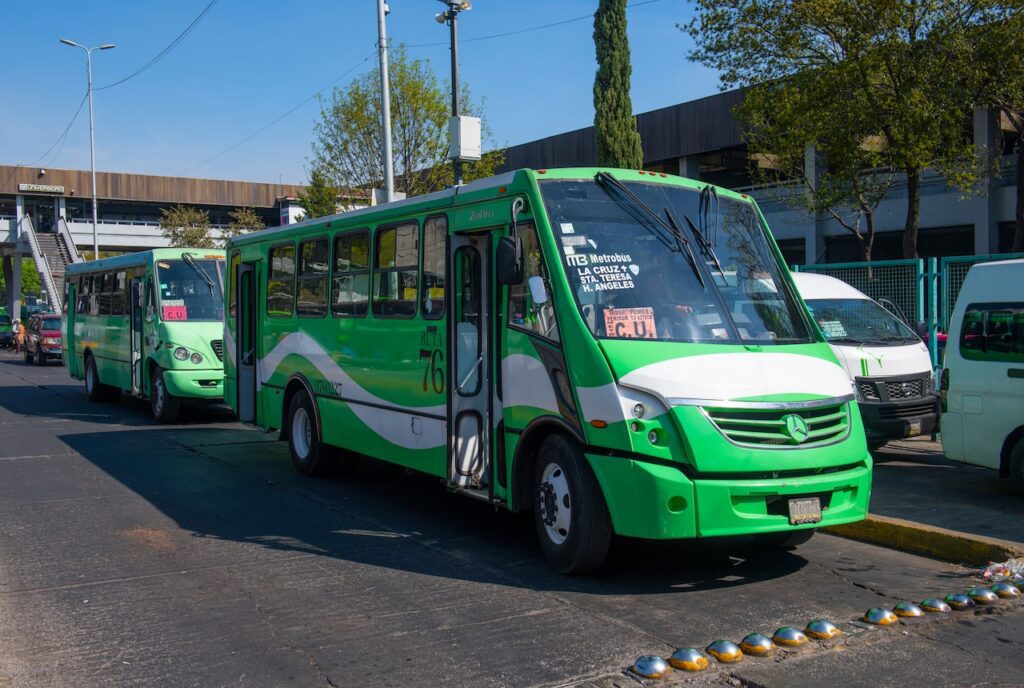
{"x":130,"y":260}
{"x":452,"y":196}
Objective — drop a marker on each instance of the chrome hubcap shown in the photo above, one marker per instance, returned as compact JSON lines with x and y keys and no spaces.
{"x":302,"y":433}
{"x":555,"y":503}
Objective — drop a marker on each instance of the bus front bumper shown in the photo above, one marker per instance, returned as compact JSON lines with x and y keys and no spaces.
{"x":195,"y":384}
{"x":657,"y":501}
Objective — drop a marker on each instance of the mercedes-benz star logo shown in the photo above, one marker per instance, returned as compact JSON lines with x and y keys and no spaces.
{"x":796,"y":428}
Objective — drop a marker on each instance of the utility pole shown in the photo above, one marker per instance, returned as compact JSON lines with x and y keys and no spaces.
{"x":385,"y":100}
{"x":92,"y":140}
{"x":450,"y":17}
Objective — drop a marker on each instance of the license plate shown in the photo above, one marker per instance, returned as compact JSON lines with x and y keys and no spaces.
{"x":913,"y":428}
{"x":806,"y":510}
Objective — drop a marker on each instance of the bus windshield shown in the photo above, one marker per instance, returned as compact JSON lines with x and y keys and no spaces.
{"x":859,"y":321}
{"x":191,"y":290}
{"x":671,"y":265}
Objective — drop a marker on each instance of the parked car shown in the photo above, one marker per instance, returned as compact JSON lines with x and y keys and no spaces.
{"x":42,"y":338}
{"x":888,"y":363}
{"x":982,"y":384}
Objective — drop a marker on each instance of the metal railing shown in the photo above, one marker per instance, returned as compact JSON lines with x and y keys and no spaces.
{"x":64,"y":233}
{"x":28,"y":232}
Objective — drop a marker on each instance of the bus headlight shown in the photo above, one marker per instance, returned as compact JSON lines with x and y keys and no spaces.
{"x":181,"y":353}
{"x":197,"y":357}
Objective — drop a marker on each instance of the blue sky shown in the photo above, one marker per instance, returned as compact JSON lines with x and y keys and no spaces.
{"x":250,"y":61}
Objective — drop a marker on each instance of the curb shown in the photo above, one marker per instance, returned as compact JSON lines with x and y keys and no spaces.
{"x":929,"y":541}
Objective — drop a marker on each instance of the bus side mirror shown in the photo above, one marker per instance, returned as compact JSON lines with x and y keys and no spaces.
{"x":510,"y":261}
{"x":921,"y":328}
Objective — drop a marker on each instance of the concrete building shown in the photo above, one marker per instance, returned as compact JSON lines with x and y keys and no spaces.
{"x":702,"y":140}
{"x":46,"y":214}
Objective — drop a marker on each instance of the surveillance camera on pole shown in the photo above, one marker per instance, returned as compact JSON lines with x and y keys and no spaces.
{"x":463,"y":132}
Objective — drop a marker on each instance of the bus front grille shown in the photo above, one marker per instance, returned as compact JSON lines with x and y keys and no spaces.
{"x":218,"y":348}
{"x":783,"y":428}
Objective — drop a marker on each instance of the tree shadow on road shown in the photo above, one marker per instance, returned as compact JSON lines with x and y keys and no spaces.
{"x":234,"y":487}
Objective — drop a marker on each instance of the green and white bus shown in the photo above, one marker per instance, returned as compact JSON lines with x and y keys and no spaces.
{"x":149,"y":324}
{"x":621,"y":352}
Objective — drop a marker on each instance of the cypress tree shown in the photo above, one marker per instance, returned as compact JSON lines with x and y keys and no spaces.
{"x":618,"y":142}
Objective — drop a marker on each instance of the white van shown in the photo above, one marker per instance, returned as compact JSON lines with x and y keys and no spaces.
{"x":887,"y":362}
{"x":982,"y":383}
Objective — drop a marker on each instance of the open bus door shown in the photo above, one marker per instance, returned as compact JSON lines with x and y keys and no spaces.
{"x":245,"y":343}
{"x":470,"y":370}
{"x":138,"y":306}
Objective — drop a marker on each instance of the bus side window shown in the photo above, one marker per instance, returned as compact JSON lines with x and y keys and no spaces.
{"x":434,"y":233}
{"x":312,"y":278}
{"x":150,"y":300}
{"x":395,"y":273}
{"x":104,"y":293}
{"x":120,"y":300}
{"x":350,"y":281}
{"x":84,"y":287}
{"x":281,"y":281}
{"x":236,"y":260}
{"x":522,"y":311}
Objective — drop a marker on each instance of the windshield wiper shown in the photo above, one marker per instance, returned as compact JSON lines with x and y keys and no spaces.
{"x":605,"y":179}
{"x":708,"y":250}
{"x":191,"y":262}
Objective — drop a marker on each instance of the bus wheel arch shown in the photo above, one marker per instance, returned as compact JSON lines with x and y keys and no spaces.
{"x":296,"y":383}
{"x":525,"y":458}
{"x":1009,"y":443}
{"x":310,"y":456}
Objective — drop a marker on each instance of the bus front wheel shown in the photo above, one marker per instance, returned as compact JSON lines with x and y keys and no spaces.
{"x":309,"y":454}
{"x":165,"y":406}
{"x":569,"y":510}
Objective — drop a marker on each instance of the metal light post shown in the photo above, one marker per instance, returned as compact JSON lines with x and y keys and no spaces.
{"x":450,"y":17}
{"x":385,"y":101}
{"x":92,"y":140}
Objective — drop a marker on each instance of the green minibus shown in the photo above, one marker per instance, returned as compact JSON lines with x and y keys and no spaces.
{"x":149,"y":324}
{"x":619,"y":352}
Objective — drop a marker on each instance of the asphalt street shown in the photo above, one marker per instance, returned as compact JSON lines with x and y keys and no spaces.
{"x":134,"y":554}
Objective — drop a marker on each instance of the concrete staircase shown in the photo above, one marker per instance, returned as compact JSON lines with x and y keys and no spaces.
{"x":52,"y":253}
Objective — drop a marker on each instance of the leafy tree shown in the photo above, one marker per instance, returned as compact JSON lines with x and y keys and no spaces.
{"x":849,"y":179}
{"x":243,"y":220}
{"x":348,"y":146}
{"x":320,"y":197}
{"x":186,"y":227}
{"x":902,"y":60}
{"x":618,"y":142}
{"x":31,"y":283}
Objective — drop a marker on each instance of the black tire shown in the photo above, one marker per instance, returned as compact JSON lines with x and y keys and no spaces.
{"x":1017,"y":466}
{"x":164,"y":405}
{"x":575,"y":543}
{"x":784,"y":540}
{"x":40,"y":357}
{"x":28,"y":356}
{"x":94,"y":389}
{"x":310,"y":456}
{"x":875,"y":445}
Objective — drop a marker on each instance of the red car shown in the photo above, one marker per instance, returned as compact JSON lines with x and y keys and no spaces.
{"x":42,"y":338}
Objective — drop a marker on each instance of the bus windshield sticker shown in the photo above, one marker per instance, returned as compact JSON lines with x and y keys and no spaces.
{"x":173,"y":309}
{"x":574,"y":240}
{"x":568,"y":250}
{"x":832,"y":328}
{"x":164,"y":265}
{"x":607,"y":277}
{"x":630,"y":323}
{"x":567,"y":228}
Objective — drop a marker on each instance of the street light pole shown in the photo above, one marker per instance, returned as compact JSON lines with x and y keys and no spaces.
{"x":450,"y":16}
{"x":92,"y":139}
{"x":385,"y":101}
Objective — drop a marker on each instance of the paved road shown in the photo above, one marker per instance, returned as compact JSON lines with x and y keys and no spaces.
{"x":133,"y":554}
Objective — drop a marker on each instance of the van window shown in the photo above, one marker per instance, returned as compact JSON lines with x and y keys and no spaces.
{"x":993,"y":332}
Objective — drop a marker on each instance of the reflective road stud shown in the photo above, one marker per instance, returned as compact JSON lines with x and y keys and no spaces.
{"x":650,"y":666}
{"x":880,"y":617}
{"x":982,"y":596}
{"x":820,"y":629}
{"x":934,"y":605}
{"x":725,"y":651}
{"x":959,"y":601}
{"x":757,"y":644}
{"x":787,"y":636}
{"x":907,"y":610}
{"x":688,"y":659}
{"x":1007,"y":591}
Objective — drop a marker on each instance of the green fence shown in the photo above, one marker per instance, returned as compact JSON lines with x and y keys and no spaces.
{"x":953,"y":272}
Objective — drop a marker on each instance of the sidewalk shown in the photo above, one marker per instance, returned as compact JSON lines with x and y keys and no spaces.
{"x":923,"y":503}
